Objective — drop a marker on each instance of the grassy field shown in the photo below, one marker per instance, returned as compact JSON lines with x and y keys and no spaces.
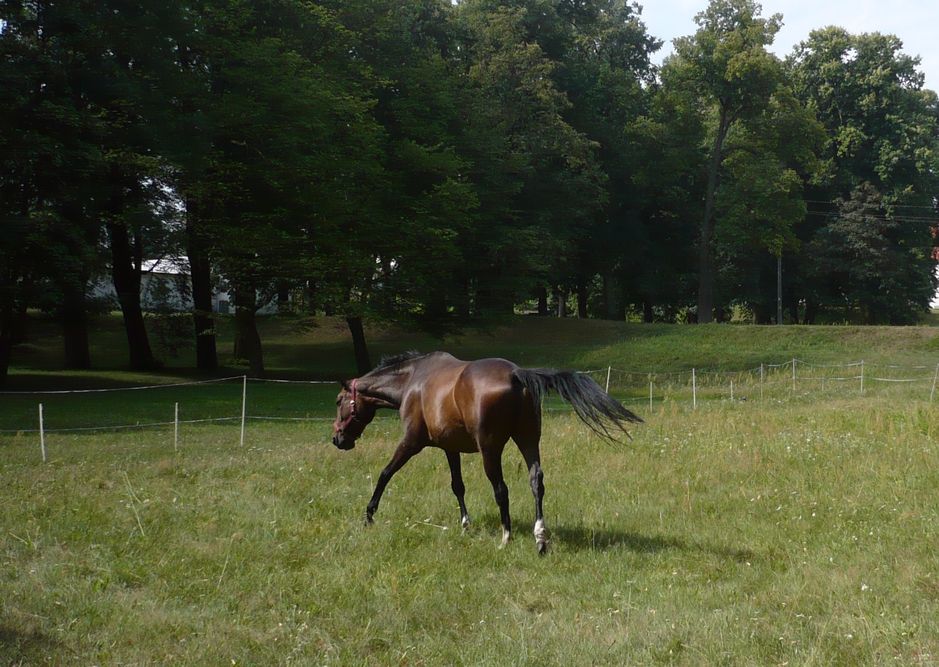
{"x":797,"y":529}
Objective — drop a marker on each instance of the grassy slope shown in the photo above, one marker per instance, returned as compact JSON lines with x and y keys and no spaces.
{"x":303,"y":347}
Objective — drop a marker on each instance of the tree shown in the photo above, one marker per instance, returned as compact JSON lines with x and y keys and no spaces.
{"x":726,"y":63}
{"x":537,"y":177}
{"x":53,"y":197}
{"x":607,"y":74}
{"x":656,"y":258}
{"x":286,"y":149}
{"x":876,"y":258}
{"x":882,"y":154}
{"x":405,"y":262}
{"x":769,"y":159}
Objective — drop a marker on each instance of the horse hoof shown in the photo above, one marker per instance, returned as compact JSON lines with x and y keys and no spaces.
{"x":542,"y":548}
{"x":465,"y":523}
{"x":369,"y":521}
{"x":505,"y":538}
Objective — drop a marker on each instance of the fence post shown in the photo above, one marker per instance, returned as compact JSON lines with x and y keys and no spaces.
{"x":694,"y":390}
{"x":934,"y":378}
{"x":244,"y":400}
{"x":650,"y":391}
{"x":42,"y":434}
{"x":862,"y":376}
{"x":608,"y":369}
{"x":793,"y":375}
{"x":761,"y":381}
{"x":176,"y":428}
{"x":731,"y":391}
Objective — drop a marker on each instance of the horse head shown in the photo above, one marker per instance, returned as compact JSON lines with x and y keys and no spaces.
{"x":353,"y":413}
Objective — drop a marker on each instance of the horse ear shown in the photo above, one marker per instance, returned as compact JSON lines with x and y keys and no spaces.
{"x":345,"y":385}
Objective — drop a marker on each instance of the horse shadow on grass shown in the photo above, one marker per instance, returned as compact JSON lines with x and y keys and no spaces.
{"x":587,"y":538}
{"x":26,"y":647}
{"x":581,"y":537}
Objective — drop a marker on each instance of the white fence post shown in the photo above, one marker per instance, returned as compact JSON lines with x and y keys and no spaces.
{"x":862,"y":376}
{"x":731,"y":391}
{"x":176,"y":428}
{"x":650,"y":391}
{"x":608,"y":369}
{"x":935,"y":377}
{"x":244,"y":400}
{"x":761,"y":381}
{"x":793,"y":375}
{"x":42,"y":434}
{"x":694,"y":390}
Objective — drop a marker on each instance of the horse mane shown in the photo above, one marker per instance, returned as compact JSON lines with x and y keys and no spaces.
{"x":390,"y":361}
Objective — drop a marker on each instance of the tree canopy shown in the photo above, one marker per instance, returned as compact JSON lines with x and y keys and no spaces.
{"x":437,"y":163}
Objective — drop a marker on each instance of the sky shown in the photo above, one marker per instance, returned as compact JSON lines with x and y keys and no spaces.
{"x":915,"y":22}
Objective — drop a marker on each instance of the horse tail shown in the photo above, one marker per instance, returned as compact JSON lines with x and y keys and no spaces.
{"x":598,"y":410}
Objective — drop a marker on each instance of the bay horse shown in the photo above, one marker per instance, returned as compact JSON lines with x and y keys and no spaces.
{"x":463,"y":407}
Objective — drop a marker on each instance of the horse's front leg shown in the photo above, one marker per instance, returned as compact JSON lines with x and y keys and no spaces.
{"x":456,"y":484}
{"x":407,"y":449}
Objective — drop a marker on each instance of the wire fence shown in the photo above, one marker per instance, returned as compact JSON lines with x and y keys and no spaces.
{"x":228,"y":400}
{"x":795,"y":379}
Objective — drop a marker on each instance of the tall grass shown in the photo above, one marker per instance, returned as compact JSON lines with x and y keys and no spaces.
{"x":733,"y":534}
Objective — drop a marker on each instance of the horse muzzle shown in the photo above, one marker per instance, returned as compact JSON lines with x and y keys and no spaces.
{"x":342,"y":442}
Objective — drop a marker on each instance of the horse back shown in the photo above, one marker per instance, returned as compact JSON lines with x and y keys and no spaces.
{"x":464,"y":402}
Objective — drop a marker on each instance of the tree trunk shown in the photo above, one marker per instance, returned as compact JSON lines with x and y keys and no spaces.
{"x":463,"y":298}
{"x":20,"y":326}
{"x":6,"y":339}
{"x":201,"y":277}
{"x":362,"y":361}
{"x":811,"y":311}
{"x":74,"y":319}
{"x":126,"y":260}
{"x":792,"y":305}
{"x":309,"y":297}
{"x":648,"y":314}
{"x":582,"y":294}
{"x":543,"y":301}
{"x":706,"y":272}
{"x":247,"y":338}
{"x":763,"y":313}
{"x":615,"y":303}
{"x":283,"y":298}
{"x":436,"y":307}
{"x":560,"y":302}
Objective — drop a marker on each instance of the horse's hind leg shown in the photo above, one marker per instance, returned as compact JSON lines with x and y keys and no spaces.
{"x":456,"y":483}
{"x":492,"y":463}
{"x":529,"y":448}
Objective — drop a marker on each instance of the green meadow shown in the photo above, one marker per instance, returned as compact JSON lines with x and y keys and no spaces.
{"x":793,"y":523}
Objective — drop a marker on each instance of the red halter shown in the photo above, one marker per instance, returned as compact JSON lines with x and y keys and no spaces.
{"x":341,"y":426}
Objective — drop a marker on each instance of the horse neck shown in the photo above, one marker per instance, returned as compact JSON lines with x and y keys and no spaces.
{"x":388,"y":386}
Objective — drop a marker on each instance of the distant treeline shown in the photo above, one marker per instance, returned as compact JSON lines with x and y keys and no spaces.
{"x":439,"y":162}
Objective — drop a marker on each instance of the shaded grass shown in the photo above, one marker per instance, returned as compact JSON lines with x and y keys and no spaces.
{"x":735,"y":534}
{"x":320,"y":348}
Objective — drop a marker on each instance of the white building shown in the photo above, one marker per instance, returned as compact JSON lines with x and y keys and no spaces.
{"x":165,"y":285}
